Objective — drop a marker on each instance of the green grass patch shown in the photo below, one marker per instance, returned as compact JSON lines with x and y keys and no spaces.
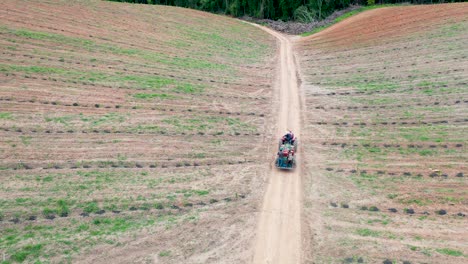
{"x":105,"y":119}
{"x":31,"y":250}
{"x":374,"y":101}
{"x":453,"y":30}
{"x":376,"y":86}
{"x":367,"y":232}
{"x":90,"y":45}
{"x":5,"y":115}
{"x":189,"y":88}
{"x":108,"y":118}
{"x":153,"y":95}
{"x":450,"y":252}
{"x":247,"y":49}
{"x":26,"y":140}
{"x":420,"y":202}
{"x":315,"y":30}
{"x":142,"y":128}
{"x":202,"y":192}
{"x":204,"y":123}
{"x":137,"y":81}
{"x":60,"y":119}
{"x":427,"y":152}
{"x":38,"y":35}
{"x":165,"y":253}
{"x":435,"y":133}
{"x":60,"y":194}
{"x":91,"y":207}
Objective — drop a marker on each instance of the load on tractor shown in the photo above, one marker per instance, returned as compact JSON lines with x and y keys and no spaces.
{"x":287,"y":147}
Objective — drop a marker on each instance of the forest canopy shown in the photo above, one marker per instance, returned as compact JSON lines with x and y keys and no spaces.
{"x":298,"y":10}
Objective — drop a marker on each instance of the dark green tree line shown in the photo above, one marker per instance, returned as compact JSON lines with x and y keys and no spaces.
{"x":299,"y":10}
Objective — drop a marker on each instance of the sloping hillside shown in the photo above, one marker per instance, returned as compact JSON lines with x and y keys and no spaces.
{"x":385,"y":137}
{"x":130,"y":133}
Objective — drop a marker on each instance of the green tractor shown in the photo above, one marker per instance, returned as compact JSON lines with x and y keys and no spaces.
{"x":285,"y":159}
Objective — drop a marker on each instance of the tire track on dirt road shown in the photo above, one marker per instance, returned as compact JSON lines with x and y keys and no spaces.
{"x":278,"y":238}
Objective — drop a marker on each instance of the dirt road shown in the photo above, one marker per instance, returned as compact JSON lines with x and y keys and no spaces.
{"x":279,"y":227}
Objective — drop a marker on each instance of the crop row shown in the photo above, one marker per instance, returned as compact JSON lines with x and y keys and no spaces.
{"x":181,"y":77}
{"x":409,"y":211}
{"x":134,"y":107}
{"x":410,"y":47}
{"x":84,"y":83}
{"x":106,"y":47}
{"x":84,"y":62}
{"x":389,"y":123}
{"x":324,"y":74}
{"x":366,"y":107}
{"x":383,"y":91}
{"x":120,"y":164}
{"x":388,"y":86}
{"x":130,"y":131}
{"x":159,"y":207}
{"x":386,"y":145}
{"x":341,"y":57}
{"x":432,"y":174}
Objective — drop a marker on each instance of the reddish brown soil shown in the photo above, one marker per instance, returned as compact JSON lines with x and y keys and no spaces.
{"x":386,"y":25}
{"x":186,"y":171}
{"x":385,"y":141}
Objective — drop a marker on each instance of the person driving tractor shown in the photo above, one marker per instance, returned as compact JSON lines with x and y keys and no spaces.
{"x":289,"y":137}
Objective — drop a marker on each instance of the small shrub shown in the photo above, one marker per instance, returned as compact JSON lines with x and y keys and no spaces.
{"x":91,"y":207}
{"x":441,"y":212}
{"x":63,"y":210}
{"x":48,"y":211}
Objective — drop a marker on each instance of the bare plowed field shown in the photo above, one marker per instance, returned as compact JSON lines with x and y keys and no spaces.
{"x":385,"y":137}
{"x":131,"y":133}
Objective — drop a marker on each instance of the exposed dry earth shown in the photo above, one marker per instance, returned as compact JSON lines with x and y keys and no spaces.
{"x":385,"y":137}
{"x":150,"y":138}
{"x":278,"y":238}
{"x":131,"y":133}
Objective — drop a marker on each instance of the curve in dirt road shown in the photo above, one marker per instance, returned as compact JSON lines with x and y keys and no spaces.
{"x":279,"y":228}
